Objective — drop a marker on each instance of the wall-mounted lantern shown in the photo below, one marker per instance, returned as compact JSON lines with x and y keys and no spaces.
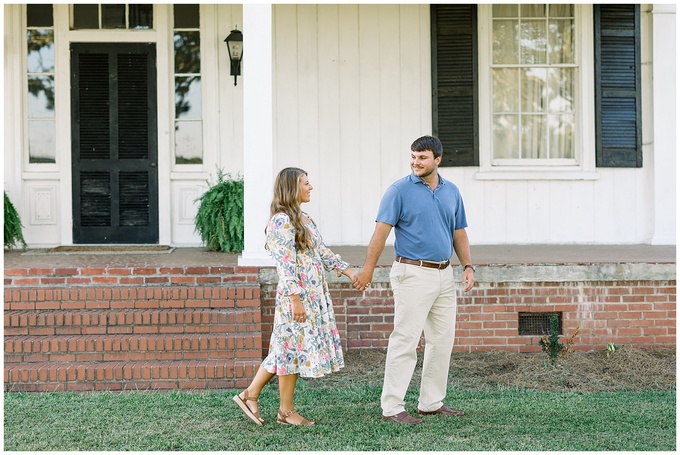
{"x":235,"y":47}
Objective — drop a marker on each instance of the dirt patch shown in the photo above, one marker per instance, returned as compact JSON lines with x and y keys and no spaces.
{"x":579,"y":371}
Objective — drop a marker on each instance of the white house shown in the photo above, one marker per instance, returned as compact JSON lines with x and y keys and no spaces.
{"x":558,"y":121}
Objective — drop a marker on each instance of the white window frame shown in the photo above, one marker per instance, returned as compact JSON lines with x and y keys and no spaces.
{"x":210,"y":106}
{"x":583,"y":165}
{"x":25,"y":155}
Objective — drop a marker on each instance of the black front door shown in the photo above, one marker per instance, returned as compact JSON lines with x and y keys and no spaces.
{"x":114,"y":137}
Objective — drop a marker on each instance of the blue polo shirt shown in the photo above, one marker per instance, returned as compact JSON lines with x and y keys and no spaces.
{"x":423,"y":219}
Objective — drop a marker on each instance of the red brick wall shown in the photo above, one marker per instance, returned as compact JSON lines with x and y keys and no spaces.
{"x":131,"y":328}
{"x":635,"y":313}
{"x":122,"y":328}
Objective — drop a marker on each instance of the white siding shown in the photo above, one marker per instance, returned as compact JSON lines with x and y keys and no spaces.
{"x":352,"y":91}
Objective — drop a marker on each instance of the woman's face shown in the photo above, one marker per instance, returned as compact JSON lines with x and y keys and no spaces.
{"x":305,"y":189}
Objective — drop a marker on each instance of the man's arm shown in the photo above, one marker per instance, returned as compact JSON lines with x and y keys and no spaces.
{"x":375,"y":249}
{"x":461,"y":246}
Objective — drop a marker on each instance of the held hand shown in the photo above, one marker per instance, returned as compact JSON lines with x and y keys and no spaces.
{"x":468,"y":279}
{"x":299,"y":314}
{"x":350,"y":273}
{"x":362,"y":280}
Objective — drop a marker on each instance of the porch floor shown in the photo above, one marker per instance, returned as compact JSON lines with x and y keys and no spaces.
{"x":355,"y":255}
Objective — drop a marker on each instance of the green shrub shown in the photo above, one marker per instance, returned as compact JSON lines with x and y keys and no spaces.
{"x":219,"y":220}
{"x":13,"y":227}
{"x":550,"y":344}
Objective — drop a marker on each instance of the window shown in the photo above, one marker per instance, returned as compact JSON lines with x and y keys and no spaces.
{"x":514,"y":89}
{"x":188,"y":104}
{"x":40,"y":88}
{"x":108,"y":16}
{"x":533,"y":78}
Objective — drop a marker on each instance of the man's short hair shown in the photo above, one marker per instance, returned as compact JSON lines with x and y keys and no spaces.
{"x":428,"y":143}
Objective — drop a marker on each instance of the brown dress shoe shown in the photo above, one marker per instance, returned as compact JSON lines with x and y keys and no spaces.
{"x":443,"y":410}
{"x":403,"y":417}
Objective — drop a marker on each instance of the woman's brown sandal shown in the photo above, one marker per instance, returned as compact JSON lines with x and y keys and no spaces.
{"x":243,"y":404}
{"x":283,"y":418}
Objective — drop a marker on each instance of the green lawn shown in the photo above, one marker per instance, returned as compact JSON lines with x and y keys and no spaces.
{"x":347,"y":419}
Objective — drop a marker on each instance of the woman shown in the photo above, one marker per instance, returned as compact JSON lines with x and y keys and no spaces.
{"x":305,"y":340}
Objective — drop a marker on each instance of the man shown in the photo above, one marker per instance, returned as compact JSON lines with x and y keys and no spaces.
{"x":429,"y":222}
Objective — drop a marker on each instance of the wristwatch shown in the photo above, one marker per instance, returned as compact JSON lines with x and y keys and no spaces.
{"x":469,"y":266}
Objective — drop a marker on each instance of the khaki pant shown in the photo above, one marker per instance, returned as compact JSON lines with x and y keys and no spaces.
{"x":424,"y":300}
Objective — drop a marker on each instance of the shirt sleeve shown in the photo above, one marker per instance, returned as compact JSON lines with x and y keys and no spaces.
{"x":460,"y":218}
{"x":390,"y":206}
{"x":330,"y":260}
{"x":281,"y":244}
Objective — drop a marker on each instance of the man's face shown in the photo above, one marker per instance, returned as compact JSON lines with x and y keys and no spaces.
{"x":423,"y":164}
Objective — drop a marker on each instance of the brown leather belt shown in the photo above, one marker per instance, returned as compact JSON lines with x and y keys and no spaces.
{"x":432,"y":265}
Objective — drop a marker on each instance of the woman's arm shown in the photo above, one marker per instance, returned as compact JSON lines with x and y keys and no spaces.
{"x":281,"y":244}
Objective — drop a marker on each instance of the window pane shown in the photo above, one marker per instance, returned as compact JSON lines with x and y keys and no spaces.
{"x":41,"y":97}
{"x":141,"y":16}
{"x":41,"y":141}
{"x":40,"y":57}
{"x":533,"y":88}
{"x":532,"y":10}
{"x":561,"y":41}
{"x":505,"y":42}
{"x":505,"y":90}
{"x":188,"y":142}
{"x":85,"y":16}
{"x":505,"y":10}
{"x":561,"y":11}
{"x":113,"y":16}
{"x":534,"y":136}
{"x":561,"y":89}
{"x":187,"y":52}
{"x":561,"y":136}
{"x":533,"y":42}
{"x":506,"y":136}
{"x":186,"y":16}
{"x":188,"y":97}
{"x":38,"y":15}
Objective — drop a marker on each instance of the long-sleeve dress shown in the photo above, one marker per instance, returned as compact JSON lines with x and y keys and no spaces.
{"x":311,"y":349}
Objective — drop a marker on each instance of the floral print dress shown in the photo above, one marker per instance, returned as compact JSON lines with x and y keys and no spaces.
{"x":312,"y":348}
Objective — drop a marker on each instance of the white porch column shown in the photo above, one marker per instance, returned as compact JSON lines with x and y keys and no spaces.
{"x":258,"y":145}
{"x":663,"y":75}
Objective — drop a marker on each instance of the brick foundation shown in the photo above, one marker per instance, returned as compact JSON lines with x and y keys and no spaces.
{"x":164,"y":328}
{"x":131,"y":328}
{"x":633,"y":312}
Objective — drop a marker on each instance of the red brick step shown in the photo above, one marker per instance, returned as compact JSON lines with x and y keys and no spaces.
{"x":85,"y":322}
{"x":118,"y":376}
{"x":105,"y":348}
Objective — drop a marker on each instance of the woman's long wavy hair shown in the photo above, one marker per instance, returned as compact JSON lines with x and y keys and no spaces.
{"x":287,"y":200}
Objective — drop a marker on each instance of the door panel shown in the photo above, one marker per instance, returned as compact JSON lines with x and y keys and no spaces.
{"x":114,"y":154}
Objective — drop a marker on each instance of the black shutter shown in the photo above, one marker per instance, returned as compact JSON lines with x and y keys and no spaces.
{"x":618,"y":130}
{"x":454,"y":82}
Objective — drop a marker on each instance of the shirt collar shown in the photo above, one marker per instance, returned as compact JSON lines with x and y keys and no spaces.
{"x":415,"y":179}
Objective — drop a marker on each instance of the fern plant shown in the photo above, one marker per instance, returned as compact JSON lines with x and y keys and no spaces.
{"x":13,"y":227}
{"x":219,"y":220}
